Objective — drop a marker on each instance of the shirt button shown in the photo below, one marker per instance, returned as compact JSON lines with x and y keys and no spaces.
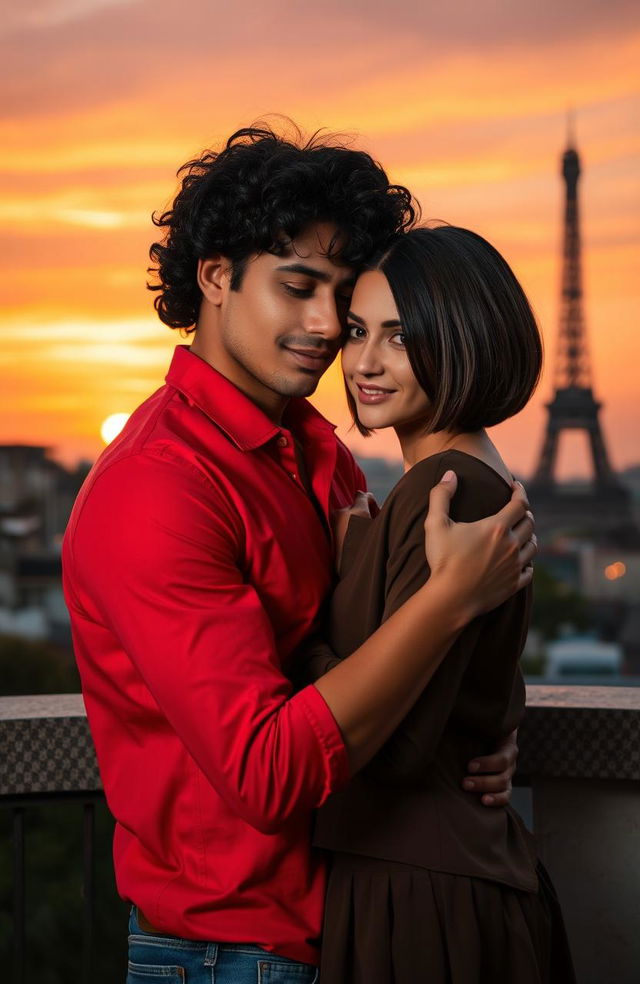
{"x":282,"y":441}
{"x":294,"y":476}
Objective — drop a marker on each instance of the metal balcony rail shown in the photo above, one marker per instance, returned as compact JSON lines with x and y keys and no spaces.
{"x":579,"y":756}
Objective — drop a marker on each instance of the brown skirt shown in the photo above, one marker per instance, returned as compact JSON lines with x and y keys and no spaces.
{"x":389,"y":923}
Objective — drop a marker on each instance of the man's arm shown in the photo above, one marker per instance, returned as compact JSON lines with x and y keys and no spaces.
{"x":489,"y":776}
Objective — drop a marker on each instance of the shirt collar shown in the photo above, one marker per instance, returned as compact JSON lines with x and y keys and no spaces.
{"x":238,"y":416}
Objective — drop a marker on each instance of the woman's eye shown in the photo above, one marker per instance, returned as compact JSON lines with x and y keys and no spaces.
{"x":399,"y":338}
{"x":298,"y":291}
{"x":355,"y":331}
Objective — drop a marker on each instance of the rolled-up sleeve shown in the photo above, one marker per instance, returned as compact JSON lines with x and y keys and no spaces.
{"x":158,"y":560}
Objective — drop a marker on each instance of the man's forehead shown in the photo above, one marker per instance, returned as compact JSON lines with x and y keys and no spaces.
{"x":317,"y":246}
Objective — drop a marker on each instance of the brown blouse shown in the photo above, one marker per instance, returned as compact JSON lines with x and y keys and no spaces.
{"x":408,"y":804}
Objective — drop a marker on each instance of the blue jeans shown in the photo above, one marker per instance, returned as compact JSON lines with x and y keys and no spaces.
{"x":171,"y":960}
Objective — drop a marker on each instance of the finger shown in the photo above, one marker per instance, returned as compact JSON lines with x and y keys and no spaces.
{"x":528,"y":552}
{"x":496,"y":799}
{"x":524,"y":530}
{"x":440,"y":498}
{"x":530,"y":515}
{"x":525,"y":527}
{"x":495,"y":783}
{"x":515,"y":509}
{"x":372,"y":505}
{"x":525,"y":578}
{"x":521,"y":489}
{"x":498,"y":761}
{"x":361,"y":504}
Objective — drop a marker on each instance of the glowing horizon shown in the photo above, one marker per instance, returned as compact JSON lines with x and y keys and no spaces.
{"x":471,"y":116}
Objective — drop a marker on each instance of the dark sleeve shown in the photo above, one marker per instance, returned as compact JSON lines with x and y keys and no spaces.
{"x":411,"y":748}
{"x":313,"y":659}
{"x":315,"y":656}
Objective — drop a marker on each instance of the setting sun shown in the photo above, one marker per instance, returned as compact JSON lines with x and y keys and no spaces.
{"x":112,"y":426}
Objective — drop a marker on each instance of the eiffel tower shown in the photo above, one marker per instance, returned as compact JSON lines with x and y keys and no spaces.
{"x":601,"y":510}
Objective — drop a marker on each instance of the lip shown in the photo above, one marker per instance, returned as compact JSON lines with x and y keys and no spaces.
{"x":310,"y":358}
{"x":377,"y":394}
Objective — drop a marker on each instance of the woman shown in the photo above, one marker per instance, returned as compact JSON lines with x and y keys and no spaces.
{"x":426,"y":883}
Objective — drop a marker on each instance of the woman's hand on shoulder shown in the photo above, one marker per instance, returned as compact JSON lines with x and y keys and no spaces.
{"x":487,"y":561}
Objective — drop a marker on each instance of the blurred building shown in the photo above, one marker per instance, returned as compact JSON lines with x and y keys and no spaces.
{"x":381,"y":475}
{"x":36,"y":497}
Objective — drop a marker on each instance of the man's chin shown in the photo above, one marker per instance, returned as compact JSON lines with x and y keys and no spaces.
{"x":301,"y":385}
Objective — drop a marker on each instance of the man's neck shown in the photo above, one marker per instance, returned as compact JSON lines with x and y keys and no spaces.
{"x":272,"y":404}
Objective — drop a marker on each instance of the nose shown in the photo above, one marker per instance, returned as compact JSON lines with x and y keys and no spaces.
{"x":363,"y":359}
{"x":324,"y":320}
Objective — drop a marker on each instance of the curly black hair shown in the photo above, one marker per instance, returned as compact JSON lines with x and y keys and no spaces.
{"x":260,"y":192}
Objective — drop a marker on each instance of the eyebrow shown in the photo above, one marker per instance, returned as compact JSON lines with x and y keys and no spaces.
{"x":393,"y":323}
{"x":308,"y":271}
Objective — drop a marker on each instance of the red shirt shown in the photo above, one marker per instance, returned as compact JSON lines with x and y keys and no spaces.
{"x":194,"y":564}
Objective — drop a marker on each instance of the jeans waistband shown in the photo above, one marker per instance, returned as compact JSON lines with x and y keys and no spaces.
{"x":179,"y":943}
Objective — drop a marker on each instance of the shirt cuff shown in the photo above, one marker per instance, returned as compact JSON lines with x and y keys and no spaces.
{"x":329,"y":736}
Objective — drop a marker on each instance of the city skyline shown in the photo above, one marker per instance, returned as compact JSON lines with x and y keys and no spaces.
{"x":472,"y":118}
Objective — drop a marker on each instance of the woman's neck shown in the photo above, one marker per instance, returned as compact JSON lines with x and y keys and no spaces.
{"x":418,"y":446}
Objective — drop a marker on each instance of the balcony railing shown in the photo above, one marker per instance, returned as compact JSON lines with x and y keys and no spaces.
{"x":579,"y":757}
{"x":48,"y":759}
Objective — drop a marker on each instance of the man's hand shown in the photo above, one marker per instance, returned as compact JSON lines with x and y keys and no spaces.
{"x":491,"y":775}
{"x":487,"y":561}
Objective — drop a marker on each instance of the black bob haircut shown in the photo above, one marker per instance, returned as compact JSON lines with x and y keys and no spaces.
{"x":260,"y":192}
{"x":471,"y":336}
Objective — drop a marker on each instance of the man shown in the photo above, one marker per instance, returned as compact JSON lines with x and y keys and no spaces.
{"x":198,"y":558}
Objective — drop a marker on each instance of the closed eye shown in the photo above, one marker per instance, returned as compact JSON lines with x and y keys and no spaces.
{"x":298,"y":291}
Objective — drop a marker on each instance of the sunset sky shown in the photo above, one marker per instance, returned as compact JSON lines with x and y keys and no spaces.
{"x":464,"y":102}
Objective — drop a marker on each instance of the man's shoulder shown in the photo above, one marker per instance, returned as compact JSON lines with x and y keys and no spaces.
{"x":166,"y":430}
{"x":345,"y":456}
{"x":154,"y":463}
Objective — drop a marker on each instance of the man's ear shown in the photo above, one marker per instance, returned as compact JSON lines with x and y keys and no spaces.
{"x":214,"y":277}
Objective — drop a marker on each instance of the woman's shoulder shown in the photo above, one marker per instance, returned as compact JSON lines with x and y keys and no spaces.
{"x":424,"y":474}
{"x":481,"y":489}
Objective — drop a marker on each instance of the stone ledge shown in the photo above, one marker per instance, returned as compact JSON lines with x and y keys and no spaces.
{"x":41,"y":706}
{"x":581,"y":733}
{"x":585,"y":698}
{"x":568,"y":732}
{"x":46,"y":746}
